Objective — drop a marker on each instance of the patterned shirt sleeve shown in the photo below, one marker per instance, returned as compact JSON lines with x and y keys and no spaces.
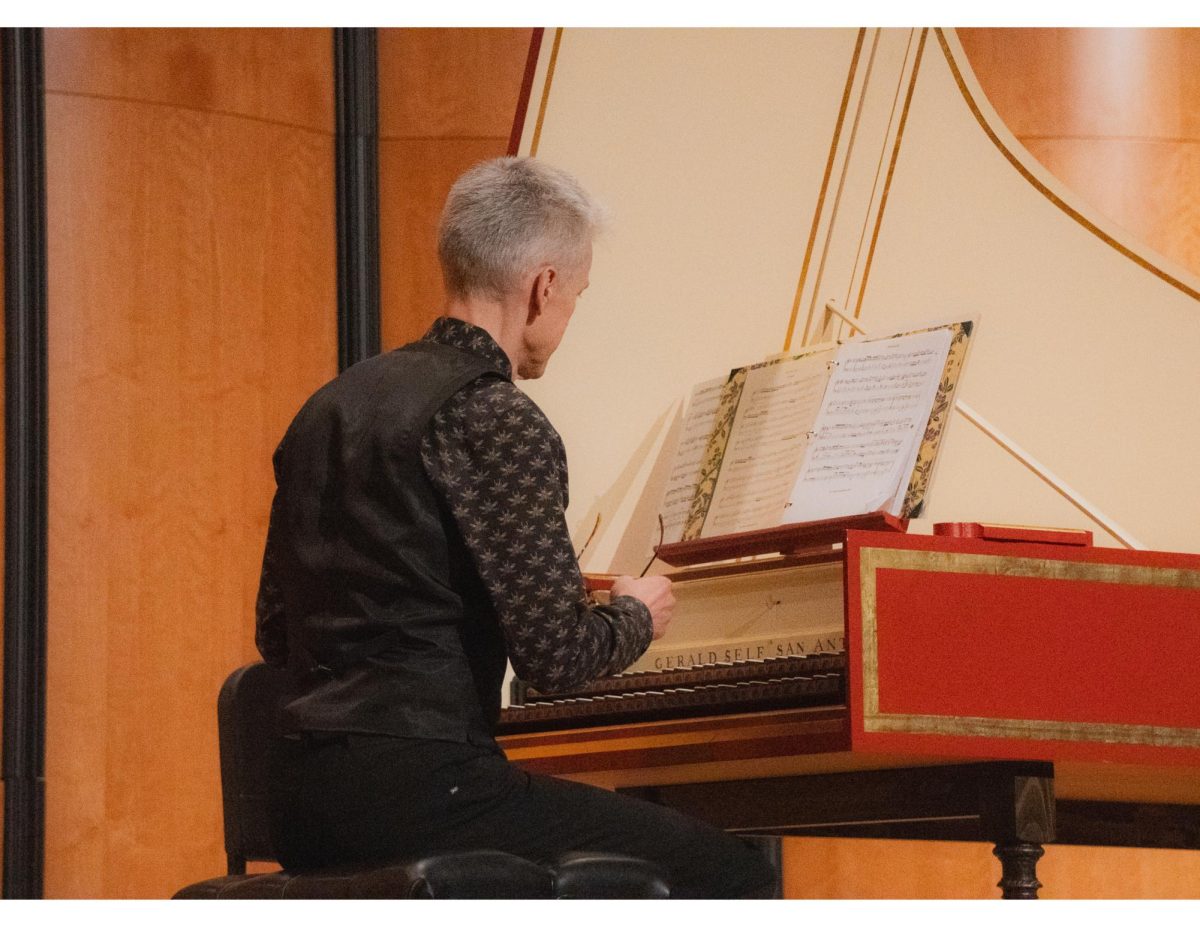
{"x":501,"y":468}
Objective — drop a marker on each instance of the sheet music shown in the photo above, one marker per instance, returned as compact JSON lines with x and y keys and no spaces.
{"x":866,"y":438}
{"x":698,"y":423}
{"x":766,"y":446}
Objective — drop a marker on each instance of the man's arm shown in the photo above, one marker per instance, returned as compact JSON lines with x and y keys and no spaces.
{"x":501,"y":468}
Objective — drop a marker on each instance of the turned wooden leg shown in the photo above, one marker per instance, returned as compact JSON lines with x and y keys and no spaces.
{"x":1018,"y":863}
{"x":1017,"y":812}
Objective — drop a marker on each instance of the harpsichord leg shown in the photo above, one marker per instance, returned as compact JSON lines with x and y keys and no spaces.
{"x":1018,"y":817}
{"x":1018,"y":863}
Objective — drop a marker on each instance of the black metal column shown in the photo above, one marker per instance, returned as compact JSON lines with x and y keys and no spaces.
{"x":25,"y":463}
{"x":357,"y":141}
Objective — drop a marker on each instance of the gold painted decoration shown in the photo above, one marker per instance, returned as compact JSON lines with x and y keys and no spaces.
{"x":714,"y":454}
{"x":939,"y":416}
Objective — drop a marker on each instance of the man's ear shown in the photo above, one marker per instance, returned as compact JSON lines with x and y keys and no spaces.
{"x":539,"y":292}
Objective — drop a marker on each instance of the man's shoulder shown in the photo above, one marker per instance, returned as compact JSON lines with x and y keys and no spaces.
{"x":495,"y":396}
{"x":397,"y":389}
{"x":494,"y":405}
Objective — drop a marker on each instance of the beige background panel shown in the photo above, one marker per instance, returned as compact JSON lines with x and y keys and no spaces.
{"x":985,"y":488}
{"x":279,"y":75}
{"x":712,"y":174}
{"x":1072,"y":358}
{"x":192,"y":286}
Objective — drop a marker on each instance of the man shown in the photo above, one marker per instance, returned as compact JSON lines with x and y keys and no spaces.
{"x":417,"y":540}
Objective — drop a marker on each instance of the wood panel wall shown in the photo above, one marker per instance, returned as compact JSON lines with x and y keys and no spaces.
{"x":1113,"y":113}
{"x":894,"y":869}
{"x":192,"y":310}
{"x":446,"y":101}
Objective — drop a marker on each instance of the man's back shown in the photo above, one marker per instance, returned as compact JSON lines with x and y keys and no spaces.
{"x":382,"y":626}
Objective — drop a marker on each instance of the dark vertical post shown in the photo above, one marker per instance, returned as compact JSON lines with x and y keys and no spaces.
{"x":25,"y":462}
{"x":357,"y":140}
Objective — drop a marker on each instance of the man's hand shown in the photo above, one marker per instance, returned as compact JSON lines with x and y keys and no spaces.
{"x":655,"y":592}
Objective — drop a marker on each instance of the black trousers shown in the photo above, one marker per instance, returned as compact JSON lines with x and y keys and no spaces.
{"x":362,"y":798}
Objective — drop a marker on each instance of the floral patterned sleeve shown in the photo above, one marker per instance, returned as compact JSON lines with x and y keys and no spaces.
{"x":501,"y":467}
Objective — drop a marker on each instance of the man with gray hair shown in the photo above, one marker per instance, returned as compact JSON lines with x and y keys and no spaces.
{"x":417,"y":541}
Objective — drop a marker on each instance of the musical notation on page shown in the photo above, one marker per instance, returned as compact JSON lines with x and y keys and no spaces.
{"x":766,"y":444}
{"x":866,"y":436}
{"x":834,"y":431}
{"x":698,"y":421}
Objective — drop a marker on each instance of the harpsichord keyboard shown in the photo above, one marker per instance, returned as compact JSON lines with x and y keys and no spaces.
{"x":721,"y":688}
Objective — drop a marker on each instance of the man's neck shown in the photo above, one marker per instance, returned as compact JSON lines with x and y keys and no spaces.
{"x":504,"y":322}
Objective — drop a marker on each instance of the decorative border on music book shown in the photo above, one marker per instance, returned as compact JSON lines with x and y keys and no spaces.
{"x":714,"y":454}
{"x":926,"y":561}
{"x":939,"y":416}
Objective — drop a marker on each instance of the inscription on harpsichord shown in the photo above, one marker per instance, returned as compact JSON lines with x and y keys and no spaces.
{"x":739,"y":652}
{"x":793,"y":611}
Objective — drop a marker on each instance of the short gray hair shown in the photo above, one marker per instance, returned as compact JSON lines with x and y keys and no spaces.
{"x":505,"y":217}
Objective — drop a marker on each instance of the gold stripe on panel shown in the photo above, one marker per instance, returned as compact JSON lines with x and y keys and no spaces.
{"x":927,"y":561}
{"x":1142,"y":735}
{"x":537,"y":129}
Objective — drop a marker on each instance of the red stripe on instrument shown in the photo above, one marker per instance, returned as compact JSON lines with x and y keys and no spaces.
{"x":535,"y":47}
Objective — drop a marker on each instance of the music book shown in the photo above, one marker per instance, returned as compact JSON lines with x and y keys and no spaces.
{"x":833,"y":431}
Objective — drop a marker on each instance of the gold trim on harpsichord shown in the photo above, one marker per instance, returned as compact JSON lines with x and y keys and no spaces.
{"x":873,"y":559}
{"x":977,"y":112}
{"x":1144,"y":735}
{"x":714,"y":454}
{"x":887,"y":183}
{"x":541,"y":117}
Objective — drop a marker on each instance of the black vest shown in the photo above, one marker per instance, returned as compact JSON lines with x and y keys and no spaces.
{"x":390,"y":630}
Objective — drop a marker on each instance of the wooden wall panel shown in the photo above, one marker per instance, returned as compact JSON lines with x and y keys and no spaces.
{"x":193,"y":310}
{"x":821,"y":867}
{"x":450,"y":83}
{"x":447,"y":98}
{"x":1113,"y":113}
{"x":276,"y":75}
{"x":890,"y":869}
